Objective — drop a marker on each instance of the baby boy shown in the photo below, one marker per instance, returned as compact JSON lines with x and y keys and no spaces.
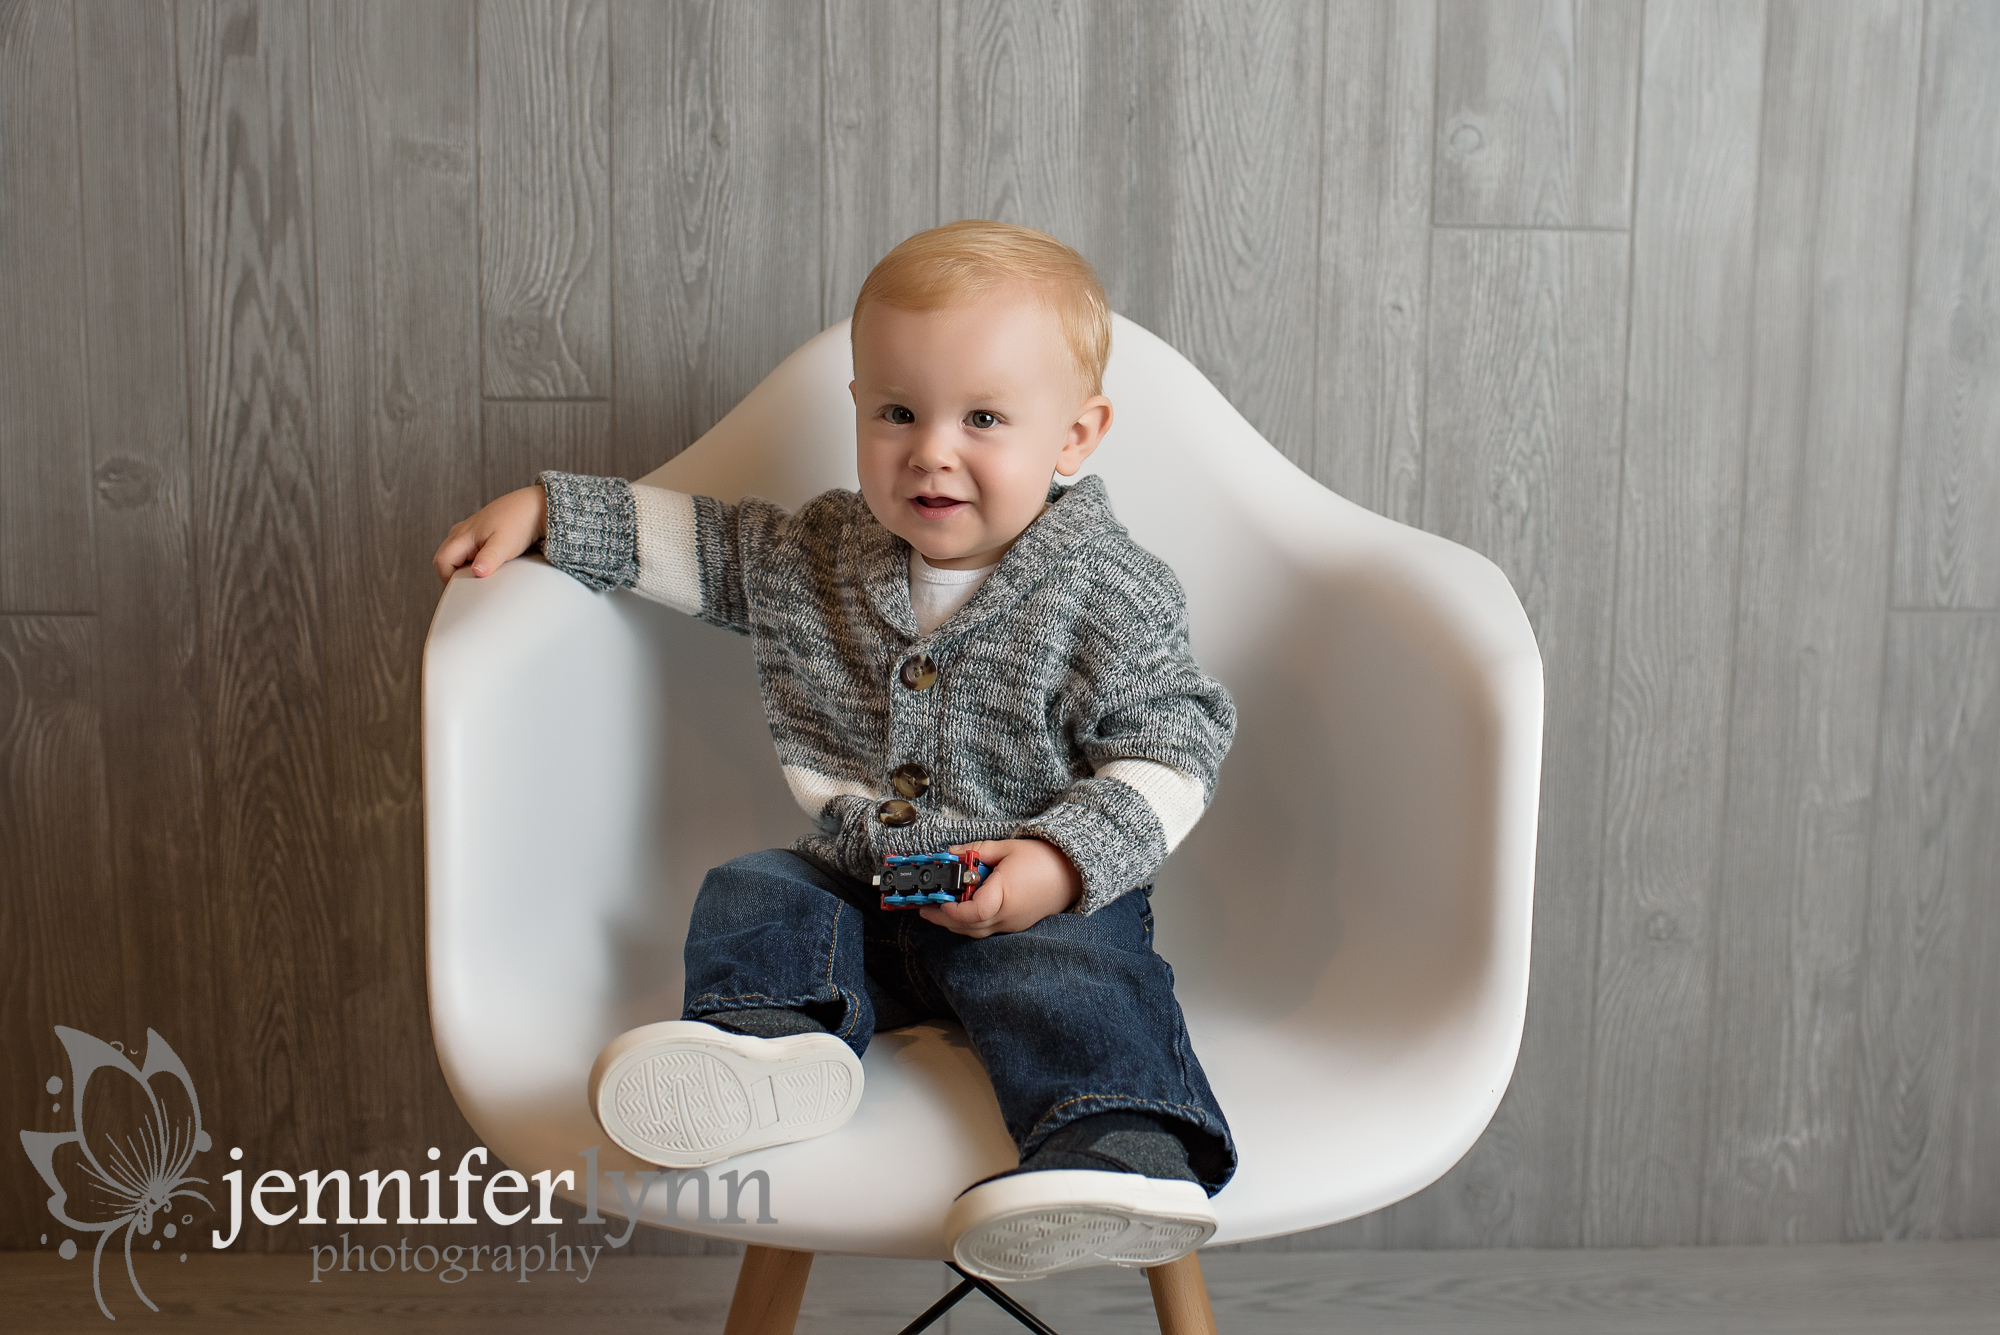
{"x":966,"y":655}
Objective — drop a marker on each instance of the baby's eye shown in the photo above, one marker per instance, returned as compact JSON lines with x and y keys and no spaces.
{"x":899,"y":415}
{"x":982,"y":419}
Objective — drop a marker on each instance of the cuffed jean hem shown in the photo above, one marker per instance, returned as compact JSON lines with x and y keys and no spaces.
{"x":1210,"y":1149}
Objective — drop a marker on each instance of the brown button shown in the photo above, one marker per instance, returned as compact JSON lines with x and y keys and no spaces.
{"x":911,"y":780}
{"x":895,"y":811}
{"x":919,"y":672}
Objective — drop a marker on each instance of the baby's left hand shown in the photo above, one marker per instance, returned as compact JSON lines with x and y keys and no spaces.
{"x":1029,"y":880}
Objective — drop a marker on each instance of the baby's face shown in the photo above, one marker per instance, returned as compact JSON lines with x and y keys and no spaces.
{"x":962,"y":416}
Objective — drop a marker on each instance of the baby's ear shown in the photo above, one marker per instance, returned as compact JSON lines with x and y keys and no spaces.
{"x":1092,"y":421}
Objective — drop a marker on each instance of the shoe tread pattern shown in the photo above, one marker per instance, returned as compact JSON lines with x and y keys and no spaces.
{"x":1042,"y":1241}
{"x":812,"y":1093}
{"x":1154,"y":1241}
{"x":683,"y":1101}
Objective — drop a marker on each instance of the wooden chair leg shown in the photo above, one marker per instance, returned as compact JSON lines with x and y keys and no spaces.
{"x":769,"y":1288}
{"x":1180,"y":1298}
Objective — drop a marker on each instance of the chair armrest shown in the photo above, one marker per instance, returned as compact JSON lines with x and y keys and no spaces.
{"x":569,"y":816}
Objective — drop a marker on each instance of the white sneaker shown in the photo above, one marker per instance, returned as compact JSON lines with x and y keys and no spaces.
{"x":684,"y":1094}
{"x":1032,"y":1224}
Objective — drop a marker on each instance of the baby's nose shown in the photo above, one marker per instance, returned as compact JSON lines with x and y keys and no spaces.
{"x":931,"y":452}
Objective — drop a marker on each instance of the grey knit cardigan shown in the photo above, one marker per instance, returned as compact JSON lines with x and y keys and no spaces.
{"x":1061,"y":702}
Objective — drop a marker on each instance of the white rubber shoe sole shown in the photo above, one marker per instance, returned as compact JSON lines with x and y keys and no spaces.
{"x":684,"y":1094}
{"x":1034,"y":1224}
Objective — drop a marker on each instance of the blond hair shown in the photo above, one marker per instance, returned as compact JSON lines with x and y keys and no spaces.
{"x":972,"y":257}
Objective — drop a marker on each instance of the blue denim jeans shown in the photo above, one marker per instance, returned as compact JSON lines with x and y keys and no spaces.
{"x":1074,"y":1016}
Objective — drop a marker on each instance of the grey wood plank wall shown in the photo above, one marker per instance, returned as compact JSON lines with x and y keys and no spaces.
{"x":1686,"y":312}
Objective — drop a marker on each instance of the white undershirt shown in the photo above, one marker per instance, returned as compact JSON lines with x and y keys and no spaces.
{"x":935,"y":594}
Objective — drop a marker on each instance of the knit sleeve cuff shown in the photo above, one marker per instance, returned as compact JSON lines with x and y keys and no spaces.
{"x":1110,"y":834}
{"x":593,"y":531}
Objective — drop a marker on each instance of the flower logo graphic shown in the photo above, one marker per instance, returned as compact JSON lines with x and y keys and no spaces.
{"x":138,"y":1129}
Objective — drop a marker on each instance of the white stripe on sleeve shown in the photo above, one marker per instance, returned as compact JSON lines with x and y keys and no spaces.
{"x":813,"y":790}
{"x":669,"y":567}
{"x":1176,"y":798}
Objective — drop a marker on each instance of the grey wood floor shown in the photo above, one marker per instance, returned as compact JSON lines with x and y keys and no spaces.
{"x":1686,"y":312}
{"x":1855,"y":1289}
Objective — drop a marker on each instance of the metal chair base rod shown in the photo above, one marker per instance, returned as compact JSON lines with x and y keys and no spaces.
{"x":966,"y":1285}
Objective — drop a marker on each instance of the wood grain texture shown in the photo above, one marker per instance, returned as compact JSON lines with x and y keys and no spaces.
{"x":716,"y":133}
{"x":1180,"y":1298}
{"x":146,"y":621}
{"x":1972,"y":1206}
{"x":396,"y":225}
{"x":1045,"y":119}
{"x":1832,"y":261}
{"x":1242,"y":221}
{"x":881,"y":148}
{"x":1904,"y":1288}
{"x":522,"y":439}
{"x":1168,"y":145}
{"x":1527,"y":359}
{"x":1535,"y":108}
{"x":1947,"y":543}
{"x":59,"y":928}
{"x":1854,"y":1290}
{"x":259,"y":543}
{"x":1374,"y":253}
{"x":1687,"y":391}
{"x":544,"y":198}
{"x":1767,"y":971}
{"x":46,"y":559}
{"x":1926,"y":1112}
{"x":769,"y":1287}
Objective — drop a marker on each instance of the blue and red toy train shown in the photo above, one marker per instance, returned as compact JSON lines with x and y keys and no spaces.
{"x":912,"y":880}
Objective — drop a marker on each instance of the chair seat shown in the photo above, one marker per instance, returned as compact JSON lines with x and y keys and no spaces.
{"x":1348,"y":924}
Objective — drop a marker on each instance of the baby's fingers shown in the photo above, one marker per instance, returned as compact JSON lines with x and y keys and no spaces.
{"x":972,"y":917}
{"x":986,"y":900}
{"x":453,"y":552}
{"x":498,"y":551}
{"x":976,"y":915}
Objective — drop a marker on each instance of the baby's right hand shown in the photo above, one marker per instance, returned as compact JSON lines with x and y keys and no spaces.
{"x":496,"y":535}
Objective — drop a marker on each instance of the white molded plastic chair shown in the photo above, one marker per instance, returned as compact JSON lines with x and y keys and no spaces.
{"x":1348,"y":924}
